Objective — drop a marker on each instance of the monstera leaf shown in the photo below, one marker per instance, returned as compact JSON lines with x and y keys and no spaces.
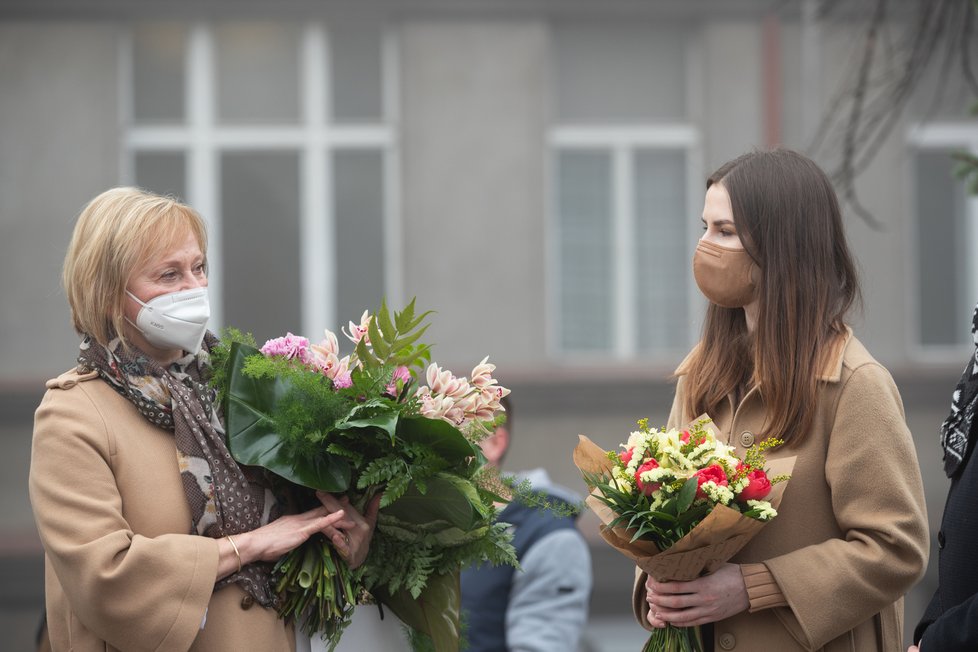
{"x":253,"y":438}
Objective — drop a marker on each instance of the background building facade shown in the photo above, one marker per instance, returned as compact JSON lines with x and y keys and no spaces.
{"x":531,"y":170}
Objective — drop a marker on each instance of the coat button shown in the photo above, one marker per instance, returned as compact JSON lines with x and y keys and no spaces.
{"x":246,"y":602}
{"x":747,"y":439}
{"x":940,"y":539}
{"x":728,"y":641}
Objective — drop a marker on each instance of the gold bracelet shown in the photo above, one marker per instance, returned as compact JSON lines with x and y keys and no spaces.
{"x":235,"y":548}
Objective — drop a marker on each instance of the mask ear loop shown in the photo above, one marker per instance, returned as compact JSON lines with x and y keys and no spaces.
{"x":144,"y":306}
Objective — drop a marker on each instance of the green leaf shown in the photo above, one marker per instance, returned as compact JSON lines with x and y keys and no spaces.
{"x":446,"y":500}
{"x":440,"y":436}
{"x":384,"y":320}
{"x":386,"y":421}
{"x":686,"y":495}
{"x":253,"y":437}
{"x":365,"y":356}
{"x":435,"y":612}
{"x":381,"y":348}
{"x":403,"y":318}
{"x":403,"y":342}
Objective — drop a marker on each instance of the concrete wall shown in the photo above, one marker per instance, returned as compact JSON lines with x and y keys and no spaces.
{"x":59,"y":135}
{"x":473,"y":178}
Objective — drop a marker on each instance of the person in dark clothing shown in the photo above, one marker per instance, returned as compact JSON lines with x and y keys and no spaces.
{"x":950,"y":622}
{"x":543,"y":606}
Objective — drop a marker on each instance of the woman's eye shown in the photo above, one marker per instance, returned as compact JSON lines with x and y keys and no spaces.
{"x":168,"y":276}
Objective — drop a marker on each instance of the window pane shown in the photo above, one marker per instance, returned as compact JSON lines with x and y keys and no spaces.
{"x":941,"y":251}
{"x":663,"y":259}
{"x":610,"y":72}
{"x":158,"y":73}
{"x":585,"y":249}
{"x":260,"y":232}
{"x":162,"y":172}
{"x":355,"y":54}
{"x":359,"y":213}
{"x":257,"y":67}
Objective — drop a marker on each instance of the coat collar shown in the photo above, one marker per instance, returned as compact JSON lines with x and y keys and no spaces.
{"x":831,"y":371}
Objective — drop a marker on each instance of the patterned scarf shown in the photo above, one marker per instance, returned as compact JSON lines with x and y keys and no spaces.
{"x":224,"y":498}
{"x":957,"y":427}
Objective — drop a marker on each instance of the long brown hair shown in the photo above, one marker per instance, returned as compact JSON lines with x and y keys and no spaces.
{"x":787,"y":216}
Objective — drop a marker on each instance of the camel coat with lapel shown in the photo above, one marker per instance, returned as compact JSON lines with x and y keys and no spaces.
{"x":121,"y":570}
{"x":851,"y":533}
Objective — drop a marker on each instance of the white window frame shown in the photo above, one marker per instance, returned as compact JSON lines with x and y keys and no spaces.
{"x":314,"y":137}
{"x":622,"y":142}
{"x":943,"y":136}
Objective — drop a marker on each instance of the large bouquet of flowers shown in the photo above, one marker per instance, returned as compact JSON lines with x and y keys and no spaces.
{"x":680,"y":503}
{"x":377,"y":420}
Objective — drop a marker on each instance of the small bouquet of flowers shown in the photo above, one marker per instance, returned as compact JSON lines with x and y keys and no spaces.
{"x":376,"y":420}
{"x":680,"y":503}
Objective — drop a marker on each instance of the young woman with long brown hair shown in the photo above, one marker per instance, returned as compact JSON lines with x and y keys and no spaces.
{"x":777,"y":359}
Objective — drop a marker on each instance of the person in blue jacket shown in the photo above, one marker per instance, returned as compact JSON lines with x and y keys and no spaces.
{"x":543,"y":606}
{"x":950,"y":622}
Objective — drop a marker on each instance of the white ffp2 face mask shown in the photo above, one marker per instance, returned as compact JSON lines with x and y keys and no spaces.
{"x":176,"y":320}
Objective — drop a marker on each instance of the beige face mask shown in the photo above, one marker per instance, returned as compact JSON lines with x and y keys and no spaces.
{"x":725,"y":276}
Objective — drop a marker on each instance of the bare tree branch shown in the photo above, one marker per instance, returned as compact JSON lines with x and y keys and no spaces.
{"x":868,"y":106}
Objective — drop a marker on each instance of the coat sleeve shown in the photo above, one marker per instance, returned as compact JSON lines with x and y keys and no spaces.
{"x":548,"y":602}
{"x":131,"y":591}
{"x":955,"y":631}
{"x":877,"y":497}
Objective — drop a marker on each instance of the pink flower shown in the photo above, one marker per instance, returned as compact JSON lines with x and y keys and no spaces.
{"x":359,"y":331}
{"x":482,"y":374}
{"x":713,"y":473}
{"x":758,"y":488}
{"x":343,"y":380}
{"x":291,"y":347}
{"x":328,"y":345}
{"x":399,"y":379}
{"x":626,"y":456}
{"x":647,"y":487}
{"x":443,"y":382}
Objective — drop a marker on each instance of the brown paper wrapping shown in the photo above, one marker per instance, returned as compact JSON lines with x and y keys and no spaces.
{"x":704,"y":549}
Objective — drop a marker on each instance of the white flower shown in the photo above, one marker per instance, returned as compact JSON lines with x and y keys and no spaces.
{"x":739,"y":485}
{"x":718,"y":493}
{"x":765,"y":511}
{"x":622,"y":484}
{"x":634,"y":438}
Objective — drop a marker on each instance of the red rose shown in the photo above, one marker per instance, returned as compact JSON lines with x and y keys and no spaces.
{"x":626,"y":456}
{"x":758,"y":488}
{"x":647,"y":487}
{"x":713,"y":473}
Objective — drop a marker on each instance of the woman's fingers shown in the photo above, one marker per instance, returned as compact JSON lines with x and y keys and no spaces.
{"x":351,"y":536}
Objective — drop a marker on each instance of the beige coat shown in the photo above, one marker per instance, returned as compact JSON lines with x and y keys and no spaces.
{"x":121,"y":572}
{"x":851,"y":533}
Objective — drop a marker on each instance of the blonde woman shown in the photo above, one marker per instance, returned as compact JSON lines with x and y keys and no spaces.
{"x":154,"y":538}
{"x":777,"y":360}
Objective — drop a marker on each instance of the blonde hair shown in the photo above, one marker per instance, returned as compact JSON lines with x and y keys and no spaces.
{"x":116,"y":233}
